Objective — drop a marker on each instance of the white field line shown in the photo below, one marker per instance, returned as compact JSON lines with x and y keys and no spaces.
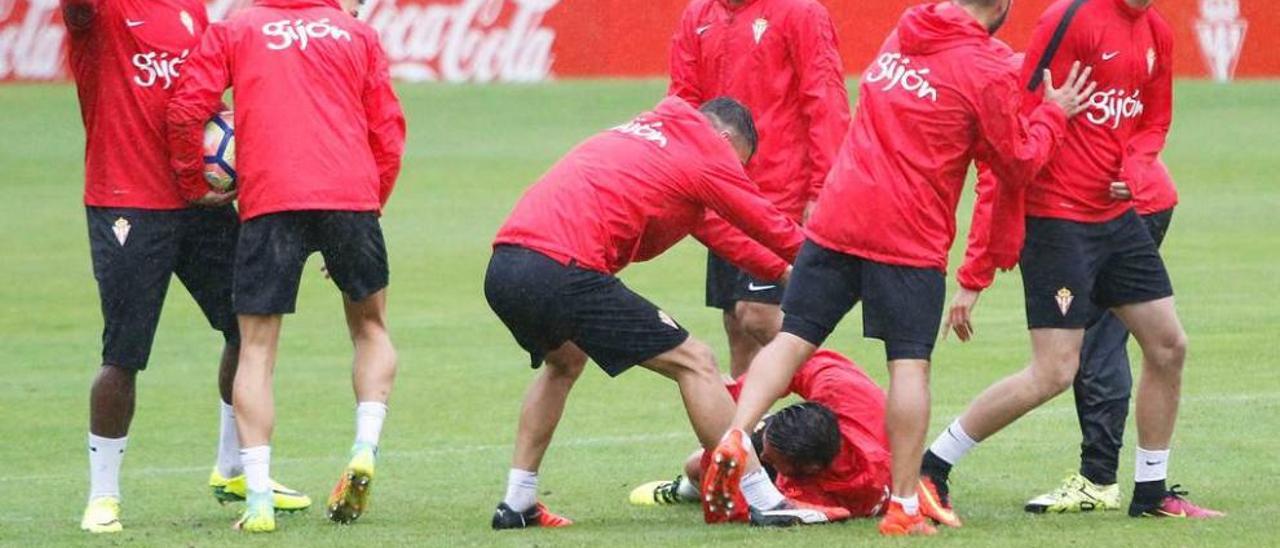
{"x":600,"y":441}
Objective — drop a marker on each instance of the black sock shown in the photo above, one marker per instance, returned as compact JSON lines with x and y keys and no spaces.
{"x":933,"y":466}
{"x":1149,"y":492}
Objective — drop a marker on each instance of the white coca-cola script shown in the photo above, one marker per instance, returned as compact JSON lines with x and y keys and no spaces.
{"x":463,"y":41}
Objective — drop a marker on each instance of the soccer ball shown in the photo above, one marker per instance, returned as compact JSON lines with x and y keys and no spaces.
{"x":220,"y":152}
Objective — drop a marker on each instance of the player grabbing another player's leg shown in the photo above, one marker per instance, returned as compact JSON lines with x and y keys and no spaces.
{"x":625,"y":195}
{"x":298,"y":197}
{"x":830,"y":450}
{"x":1104,"y":384}
{"x":904,"y":159}
{"x":143,"y":231}
{"x":1087,"y":252}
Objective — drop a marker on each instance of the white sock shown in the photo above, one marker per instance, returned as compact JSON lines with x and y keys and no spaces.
{"x":369,"y":417}
{"x":1151,"y":465}
{"x":686,"y":489}
{"x":953,"y":443}
{"x":105,"y":456}
{"x":760,"y":491}
{"x":910,"y":505}
{"x":228,"y":443}
{"x":257,"y":468}
{"x":522,"y":489}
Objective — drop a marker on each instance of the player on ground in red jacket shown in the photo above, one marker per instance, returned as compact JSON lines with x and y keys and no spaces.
{"x":780,"y":58}
{"x":936,"y":98}
{"x":626,"y":195}
{"x":830,"y":450}
{"x":319,"y":137}
{"x":126,"y":56}
{"x":1087,"y":251}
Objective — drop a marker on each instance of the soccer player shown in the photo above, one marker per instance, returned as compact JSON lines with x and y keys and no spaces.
{"x":830,"y":450}
{"x":780,"y":59}
{"x":936,"y":98}
{"x":1104,"y":383}
{"x":1086,"y":251}
{"x":126,"y":57}
{"x":321,"y":135}
{"x":622,"y":196}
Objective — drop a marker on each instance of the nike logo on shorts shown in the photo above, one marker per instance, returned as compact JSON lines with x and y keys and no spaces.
{"x":753,"y":287}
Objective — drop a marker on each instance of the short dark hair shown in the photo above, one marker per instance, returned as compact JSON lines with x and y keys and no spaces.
{"x":731,"y":113}
{"x":806,"y":433}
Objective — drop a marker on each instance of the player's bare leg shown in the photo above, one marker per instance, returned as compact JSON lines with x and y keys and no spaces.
{"x":254,"y":403}
{"x":1156,"y":327}
{"x":112,"y":400}
{"x":111,"y":405}
{"x":539,"y":415}
{"x":907,"y":422}
{"x":760,"y":322}
{"x":693,"y":366}
{"x":742,"y":346}
{"x":373,"y":372}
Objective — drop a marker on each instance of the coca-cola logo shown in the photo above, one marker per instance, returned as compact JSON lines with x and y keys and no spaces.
{"x":465,"y":41}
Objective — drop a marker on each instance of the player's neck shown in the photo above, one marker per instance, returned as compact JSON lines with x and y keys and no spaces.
{"x":1139,"y":4}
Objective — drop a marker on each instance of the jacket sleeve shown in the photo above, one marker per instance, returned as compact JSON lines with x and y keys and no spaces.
{"x":386,"y":122}
{"x":725,"y":189}
{"x":738,"y":248}
{"x":1014,"y":145}
{"x":79,"y":15}
{"x":205,"y":76}
{"x":824,"y":100}
{"x":1149,"y":135}
{"x":979,"y":268}
{"x":835,"y":382}
{"x":684,"y":55}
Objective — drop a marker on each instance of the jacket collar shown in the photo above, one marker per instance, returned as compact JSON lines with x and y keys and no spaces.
{"x":298,"y":3}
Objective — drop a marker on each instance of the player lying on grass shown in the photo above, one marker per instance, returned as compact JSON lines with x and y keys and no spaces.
{"x":625,"y":195}
{"x":143,"y":230}
{"x":1104,"y":384}
{"x":320,"y":136}
{"x":937,"y":98}
{"x":831,"y":450}
{"x":1086,"y":251}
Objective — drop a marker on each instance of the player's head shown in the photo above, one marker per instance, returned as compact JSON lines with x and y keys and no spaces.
{"x":801,"y":440}
{"x":734,"y":123}
{"x":351,"y":6}
{"x":992,"y":13}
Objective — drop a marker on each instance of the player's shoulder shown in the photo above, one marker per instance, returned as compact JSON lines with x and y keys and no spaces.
{"x":803,"y":12}
{"x":1161,"y":30}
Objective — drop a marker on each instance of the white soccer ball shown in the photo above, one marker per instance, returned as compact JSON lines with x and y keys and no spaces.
{"x":220,"y":152}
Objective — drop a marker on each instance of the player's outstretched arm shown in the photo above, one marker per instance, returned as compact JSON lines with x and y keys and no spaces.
{"x":739,"y":249}
{"x":686,"y":45}
{"x":205,"y":76}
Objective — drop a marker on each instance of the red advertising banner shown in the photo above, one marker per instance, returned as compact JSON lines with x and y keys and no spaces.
{"x":534,"y":40}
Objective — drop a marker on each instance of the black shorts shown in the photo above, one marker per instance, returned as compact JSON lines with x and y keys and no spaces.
{"x":274,"y":248}
{"x":1073,"y":271}
{"x":901,"y":305}
{"x":728,"y":284}
{"x":136,"y":251}
{"x":545,"y":304}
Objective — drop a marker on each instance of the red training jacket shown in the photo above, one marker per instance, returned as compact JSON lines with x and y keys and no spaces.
{"x":781,"y":59}
{"x":1122,"y":133}
{"x":1156,"y":191}
{"x":630,"y":193}
{"x":126,"y":56}
{"x":936,"y":98}
{"x":859,"y":477}
{"x":318,"y":126}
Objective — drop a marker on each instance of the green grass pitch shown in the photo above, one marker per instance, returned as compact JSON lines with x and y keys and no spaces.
{"x":446,"y":445}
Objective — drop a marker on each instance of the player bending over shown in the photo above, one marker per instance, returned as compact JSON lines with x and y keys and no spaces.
{"x":143,"y":229}
{"x":625,"y":195}
{"x":320,"y":136}
{"x":1087,"y":251}
{"x":830,"y":450}
{"x":936,"y":99}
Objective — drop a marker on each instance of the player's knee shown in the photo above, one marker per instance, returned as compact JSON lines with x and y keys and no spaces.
{"x":1053,"y":375}
{"x":759,"y":320}
{"x":698,"y":360}
{"x":1170,"y":351}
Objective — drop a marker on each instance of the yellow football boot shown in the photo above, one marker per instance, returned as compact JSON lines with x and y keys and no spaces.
{"x":350,"y":497}
{"x":102,"y":515}
{"x":235,"y":489}
{"x":259,"y":516}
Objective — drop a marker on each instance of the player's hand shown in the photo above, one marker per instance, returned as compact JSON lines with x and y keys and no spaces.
{"x":214,"y":198}
{"x":1120,"y":191}
{"x":1073,"y":95}
{"x":960,"y":317}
